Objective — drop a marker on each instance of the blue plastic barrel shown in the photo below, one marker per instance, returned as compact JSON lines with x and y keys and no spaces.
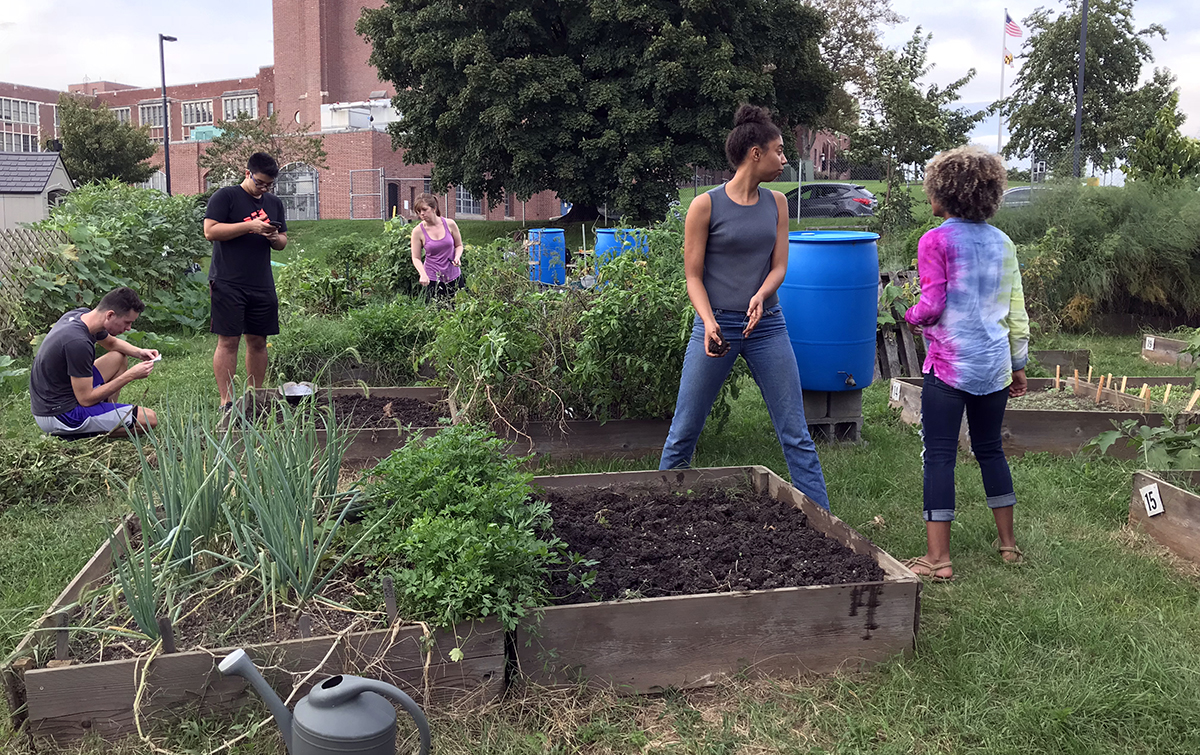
{"x":548,"y":256}
{"x":830,"y":299}
{"x":612,"y":242}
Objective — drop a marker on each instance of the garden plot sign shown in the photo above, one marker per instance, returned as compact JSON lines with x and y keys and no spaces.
{"x":1149,"y":346}
{"x":1152,"y":498}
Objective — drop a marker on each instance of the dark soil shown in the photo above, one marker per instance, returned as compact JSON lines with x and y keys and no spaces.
{"x":375,"y":411}
{"x":654,"y":542}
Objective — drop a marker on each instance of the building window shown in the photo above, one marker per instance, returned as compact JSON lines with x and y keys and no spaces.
{"x":55,"y":107}
{"x":150,"y":115}
{"x":10,"y":142}
{"x":122,"y":114}
{"x":270,"y":109}
{"x":427,"y":185}
{"x":18,"y":111}
{"x":465,"y":203}
{"x":242,"y":104}
{"x":198,"y":113}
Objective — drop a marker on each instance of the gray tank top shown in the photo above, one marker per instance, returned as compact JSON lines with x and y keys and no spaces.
{"x":741,"y":240}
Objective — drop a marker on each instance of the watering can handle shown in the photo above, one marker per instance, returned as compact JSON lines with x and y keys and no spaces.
{"x":338,"y":689}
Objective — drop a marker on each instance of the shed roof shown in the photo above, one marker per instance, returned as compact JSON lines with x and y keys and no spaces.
{"x":26,"y":172}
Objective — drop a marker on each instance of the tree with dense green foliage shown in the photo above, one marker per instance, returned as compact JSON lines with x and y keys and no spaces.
{"x":601,"y":103}
{"x":1117,"y":107}
{"x":226,"y":156}
{"x":97,"y":146}
{"x":1163,"y":154}
{"x":906,"y":122}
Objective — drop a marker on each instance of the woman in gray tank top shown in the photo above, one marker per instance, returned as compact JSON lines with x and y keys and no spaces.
{"x":735,"y":249}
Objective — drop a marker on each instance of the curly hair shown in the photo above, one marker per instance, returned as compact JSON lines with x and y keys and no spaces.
{"x":752,"y":127}
{"x":968,"y":182}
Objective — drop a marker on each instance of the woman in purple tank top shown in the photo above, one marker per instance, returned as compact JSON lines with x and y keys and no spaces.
{"x":439,"y":242}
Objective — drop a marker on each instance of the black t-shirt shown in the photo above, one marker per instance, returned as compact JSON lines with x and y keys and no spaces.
{"x":67,"y":351}
{"x":246,"y":260}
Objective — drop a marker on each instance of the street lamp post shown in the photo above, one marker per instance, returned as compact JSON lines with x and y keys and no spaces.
{"x":1079,"y":87}
{"x":166,"y":111}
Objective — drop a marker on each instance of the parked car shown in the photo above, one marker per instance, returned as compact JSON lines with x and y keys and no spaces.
{"x":832,"y":200}
{"x":1017,"y":196}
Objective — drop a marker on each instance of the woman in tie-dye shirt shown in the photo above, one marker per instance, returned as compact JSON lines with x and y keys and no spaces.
{"x":972,"y":312}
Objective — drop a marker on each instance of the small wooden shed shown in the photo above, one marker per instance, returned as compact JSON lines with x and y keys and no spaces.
{"x":30,"y":184}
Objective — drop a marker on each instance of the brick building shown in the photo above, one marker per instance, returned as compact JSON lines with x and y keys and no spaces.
{"x":320,"y":76}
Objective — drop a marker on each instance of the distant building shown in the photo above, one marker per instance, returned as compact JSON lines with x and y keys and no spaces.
{"x":320,"y":76}
{"x":30,"y":184}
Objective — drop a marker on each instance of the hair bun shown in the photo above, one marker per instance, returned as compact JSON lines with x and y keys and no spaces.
{"x":751,"y":114}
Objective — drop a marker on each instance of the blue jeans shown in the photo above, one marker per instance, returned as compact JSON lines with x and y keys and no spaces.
{"x":772,"y":363}
{"x":941,"y":417}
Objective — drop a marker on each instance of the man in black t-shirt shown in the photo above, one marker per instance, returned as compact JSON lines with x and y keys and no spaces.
{"x":245,"y":223}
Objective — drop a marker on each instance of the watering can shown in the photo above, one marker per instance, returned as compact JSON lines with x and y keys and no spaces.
{"x":343,"y":714}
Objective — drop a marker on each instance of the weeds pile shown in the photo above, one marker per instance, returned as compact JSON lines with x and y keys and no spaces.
{"x":48,"y":471}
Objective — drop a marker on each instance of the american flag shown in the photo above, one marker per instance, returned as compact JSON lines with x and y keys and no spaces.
{"x":1010,"y":26}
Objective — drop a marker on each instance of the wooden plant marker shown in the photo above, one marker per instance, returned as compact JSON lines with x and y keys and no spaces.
{"x":1192,"y":401}
{"x":62,"y":648}
{"x":1077,"y":381}
{"x":1057,"y":377}
{"x":1146,"y":396}
{"x":1089,"y":377}
{"x":1099,"y":388}
{"x":1109,"y":381}
{"x":389,"y":599}
{"x":167,"y":633}
{"x":1145,"y":391}
{"x":1124,"y":380}
{"x":1167,"y":394}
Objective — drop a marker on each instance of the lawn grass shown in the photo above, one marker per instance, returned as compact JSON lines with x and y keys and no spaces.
{"x":1090,"y":647}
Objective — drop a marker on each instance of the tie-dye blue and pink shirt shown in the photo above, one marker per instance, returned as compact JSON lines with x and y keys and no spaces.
{"x":972,"y":307}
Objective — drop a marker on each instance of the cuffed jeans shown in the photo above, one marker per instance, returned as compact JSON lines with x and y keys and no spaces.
{"x":772,"y":363}
{"x":941,"y":417}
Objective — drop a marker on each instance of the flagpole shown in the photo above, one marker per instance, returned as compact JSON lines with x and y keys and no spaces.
{"x":1003,"y":50}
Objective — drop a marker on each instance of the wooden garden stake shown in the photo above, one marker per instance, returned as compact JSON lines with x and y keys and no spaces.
{"x":1192,"y":401}
{"x":1145,"y":390}
{"x":1167,"y":394}
{"x":1099,"y":389}
{"x":1089,"y":377}
{"x":1146,"y":396}
{"x":389,"y":599}
{"x":167,"y":633}
{"x":1057,"y":376}
{"x":1077,"y":381}
{"x":1108,"y":382}
{"x":62,"y":648}
{"x":1123,"y":381}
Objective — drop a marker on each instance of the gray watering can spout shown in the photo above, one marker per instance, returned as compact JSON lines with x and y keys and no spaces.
{"x":238,"y":663}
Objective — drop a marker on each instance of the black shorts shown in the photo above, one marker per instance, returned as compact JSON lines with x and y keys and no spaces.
{"x":445,"y":289}
{"x":237,"y":310}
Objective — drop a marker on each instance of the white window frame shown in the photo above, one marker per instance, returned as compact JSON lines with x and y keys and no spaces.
{"x":197,"y":112}
{"x":150,"y":109}
{"x":13,"y":110}
{"x":15,"y":142}
{"x":123,"y":114}
{"x":465,"y":203}
{"x":232,"y":105}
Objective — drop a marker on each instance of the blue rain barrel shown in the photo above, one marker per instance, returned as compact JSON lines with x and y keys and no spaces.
{"x":612,"y":242}
{"x":547,"y":256}
{"x":830,"y":299}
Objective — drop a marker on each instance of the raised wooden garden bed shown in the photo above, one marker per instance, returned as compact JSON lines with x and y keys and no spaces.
{"x":63,"y":702}
{"x":589,"y":439}
{"x":378,"y":438}
{"x":1067,"y":359}
{"x":1057,"y":431}
{"x":1164,"y":505}
{"x":1159,"y":350}
{"x":653,"y":644}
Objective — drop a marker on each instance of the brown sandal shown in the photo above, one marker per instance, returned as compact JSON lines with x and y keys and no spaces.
{"x":1002,"y":549}
{"x":922,"y":562}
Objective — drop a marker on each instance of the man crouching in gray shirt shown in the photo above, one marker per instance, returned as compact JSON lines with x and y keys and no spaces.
{"x":71,"y":391}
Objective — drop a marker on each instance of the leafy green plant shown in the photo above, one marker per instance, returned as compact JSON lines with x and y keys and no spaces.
{"x":309,"y":286}
{"x":895,"y":300}
{"x":392,"y":273}
{"x":1158,"y":448}
{"x":465,"y":541}
{"x":11,"y":376}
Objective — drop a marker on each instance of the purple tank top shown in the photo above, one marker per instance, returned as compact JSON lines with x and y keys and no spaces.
{"x":439,"y":256}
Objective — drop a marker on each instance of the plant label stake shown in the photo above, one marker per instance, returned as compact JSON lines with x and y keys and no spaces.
{"x":1124,"y":380}
{"x":1089,"y":377}
{"x":895,"y":390}
{"x":1057,"y":377}
{"x":1167,"y":394}
{"x":62,"y":649}
{"x":389,"y":599}
{"x":1153,"y":499}
{"x":1077,"y":381}
{"x":167,"y":633}
{"x":1149,"y":346}
{"x":1192,"y":401}
{"x":1099,"y":389}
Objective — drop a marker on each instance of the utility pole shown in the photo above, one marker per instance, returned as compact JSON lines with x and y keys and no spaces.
{"x":166,"y":111}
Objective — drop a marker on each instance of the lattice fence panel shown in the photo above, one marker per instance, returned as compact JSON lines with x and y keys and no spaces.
{"x":20,"y":249}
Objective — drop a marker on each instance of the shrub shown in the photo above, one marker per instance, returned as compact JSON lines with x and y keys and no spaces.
{"x":392,"y":272}
{"x":307,"y":346}
{"x":311,"y":287}
{"x":123,"y":236}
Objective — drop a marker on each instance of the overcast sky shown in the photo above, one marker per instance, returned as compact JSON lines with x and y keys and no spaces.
{"x":52,"y":43}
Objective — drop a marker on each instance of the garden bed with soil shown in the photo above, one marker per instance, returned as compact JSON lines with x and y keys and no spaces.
{"x":1168,"y":351}
{"x":1166,"y":505}
{"x":709,"y":607}
{"x":1063,"y":420}
{"x":413,"y":410}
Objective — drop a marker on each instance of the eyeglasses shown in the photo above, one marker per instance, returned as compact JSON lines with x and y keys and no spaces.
{"x":264,"y":185}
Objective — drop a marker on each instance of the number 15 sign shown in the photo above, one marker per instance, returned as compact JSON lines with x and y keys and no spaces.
{"x":1153,"y":499}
